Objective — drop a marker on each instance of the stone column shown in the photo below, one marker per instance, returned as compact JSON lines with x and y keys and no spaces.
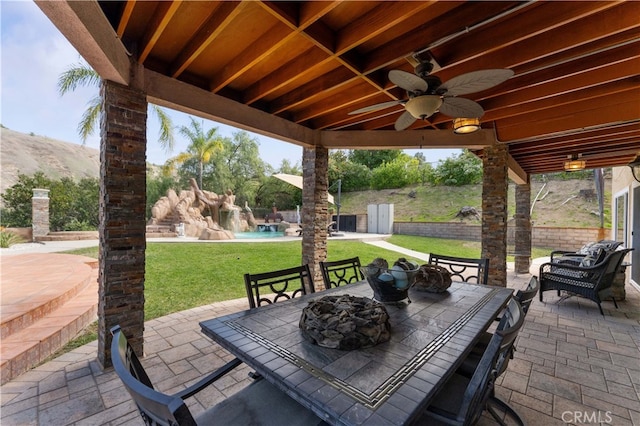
{"x":315,"y":215}
{"x":39,"y":213}
{"x":122,"y":216}
{"x":494,"y":212}
{"x":523,"y":229}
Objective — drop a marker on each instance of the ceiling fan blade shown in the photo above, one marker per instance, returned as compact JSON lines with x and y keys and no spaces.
{"x":407,"y":81}
{"x":376,"y":107}
{"x":475,"y":81}
{"x":461,"y":107}
{"x":405,"y":120}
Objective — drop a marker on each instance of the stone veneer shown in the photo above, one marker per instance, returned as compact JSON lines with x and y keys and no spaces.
{"x":522,"y":260}
{"x":39,"y":213}
{"x":494,"y":212}
{"x":122,"y":216}
{"x":315,"y":216}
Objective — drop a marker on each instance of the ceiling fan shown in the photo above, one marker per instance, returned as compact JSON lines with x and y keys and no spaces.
{"x":427,"y":94}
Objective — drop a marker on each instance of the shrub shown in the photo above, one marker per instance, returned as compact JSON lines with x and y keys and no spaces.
{"x":463,"y":169}
{"x":400,"y":172}
{"x":8,"y":238}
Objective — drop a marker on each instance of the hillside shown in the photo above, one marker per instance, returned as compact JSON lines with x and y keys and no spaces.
{"x":568,"y":203}
{"x":25,"y":154}
{"x":564,"y":205}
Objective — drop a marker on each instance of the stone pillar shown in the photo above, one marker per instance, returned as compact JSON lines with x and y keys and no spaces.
{"x":315,"y":215}
{"x":39,"y":213}
{"x":494,"y":212}
{"x":122,"y":216}
{"x":523,"y":229}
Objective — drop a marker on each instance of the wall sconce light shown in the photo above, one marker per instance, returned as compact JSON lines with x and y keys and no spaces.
{"x":635,"y":168}
{"x":462,"y":126}
{"x":574,"y":163}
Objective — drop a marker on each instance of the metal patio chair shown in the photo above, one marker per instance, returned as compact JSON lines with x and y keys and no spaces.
{"x":270,"y":287}
{"x":464,"y":268}
{"x":462,"y":399}
{"x":341,"y":272}
{"x":252,"y":405}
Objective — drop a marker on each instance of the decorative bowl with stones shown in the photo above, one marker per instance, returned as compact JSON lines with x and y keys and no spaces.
{"x":345,"y":322}
{"x":390,"y":285}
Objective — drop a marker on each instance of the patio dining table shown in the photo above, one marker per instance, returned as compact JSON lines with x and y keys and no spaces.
{"x":389,"y":383}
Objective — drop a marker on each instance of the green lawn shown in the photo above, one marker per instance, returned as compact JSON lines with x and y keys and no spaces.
{"x":451,"y":247}
{"x":181,"y":276}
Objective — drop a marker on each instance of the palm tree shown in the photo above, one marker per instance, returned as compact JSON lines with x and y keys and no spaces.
{"x":82,"y":74}
{"x":203,"y":145}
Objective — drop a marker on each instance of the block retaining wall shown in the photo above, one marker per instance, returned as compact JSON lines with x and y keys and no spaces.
{"x":541,"y":236}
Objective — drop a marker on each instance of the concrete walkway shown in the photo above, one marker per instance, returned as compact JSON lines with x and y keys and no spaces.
{"x":571,"y":364}
{"x":407,"y":252}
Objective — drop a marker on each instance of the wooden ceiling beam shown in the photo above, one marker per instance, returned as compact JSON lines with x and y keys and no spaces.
{"x":515,"y":172}
{"x":578,"y":96}
{"x":156,"y":26}
{"x":313,"y":90}
{"x":171,"y":93}
{"x":127,"y":10}
{"x":617,"y":19}
{"x":528,"y":23}
{"x":623,"y":64}
{"x":446,"y":15}
{"x":383,"y":18}
{"x":338,"y":45}
{"x":334,"y":102}
{"x":268,"y":43}
{"x":589,"y":150}
{"x":91,"y":34}
{"x":300,"y":67}
{"x":407,"y":139}
{"x":620,"y":132}
{"x":219,"y":20}
{"x":576,"y":53}
{"x":594,"y":69}
{"x":555,"y":120}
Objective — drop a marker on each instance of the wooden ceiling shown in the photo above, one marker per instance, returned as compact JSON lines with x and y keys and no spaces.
{"x":294,"y":70}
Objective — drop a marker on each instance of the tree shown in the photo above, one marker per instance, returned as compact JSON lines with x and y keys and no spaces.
{"x":374,"y":158}
{"x":203,"y":145}
{"x":238,"y":167}
{"x":82,"y":74}
{"x":73,"y":206}
{"x":457,"y":170}
{"x":354,"y":176}
{"x":400,"y":172}
{"x":17,"y":199}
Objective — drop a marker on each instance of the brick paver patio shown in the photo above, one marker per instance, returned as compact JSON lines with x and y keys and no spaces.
{"x":572,"y":366}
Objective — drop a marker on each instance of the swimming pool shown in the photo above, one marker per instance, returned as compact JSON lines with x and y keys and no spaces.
{"x":258,"y":235}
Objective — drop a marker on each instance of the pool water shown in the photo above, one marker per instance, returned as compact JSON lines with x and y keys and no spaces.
{"x":243,"y":235}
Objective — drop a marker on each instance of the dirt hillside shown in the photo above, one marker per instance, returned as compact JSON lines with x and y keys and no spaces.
{"x":26,"y":154}
{"x":564,"y":203}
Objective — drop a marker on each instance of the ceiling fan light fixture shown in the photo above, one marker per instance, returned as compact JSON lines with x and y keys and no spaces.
{"x":423,"y":106}
{"x":463,"y":126}
{"x":635,"y":168}
{"x":574,"y":163}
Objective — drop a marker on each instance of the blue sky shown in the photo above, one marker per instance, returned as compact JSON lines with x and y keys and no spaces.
{"x":34,"y":54}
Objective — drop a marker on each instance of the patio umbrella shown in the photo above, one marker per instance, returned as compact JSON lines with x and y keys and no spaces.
{"x":297,"y":182}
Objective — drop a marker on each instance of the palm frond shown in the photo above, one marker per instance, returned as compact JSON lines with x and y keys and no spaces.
{"x":75,"y":76}
{"x":89,"y":119}
{"x":166,"y":138}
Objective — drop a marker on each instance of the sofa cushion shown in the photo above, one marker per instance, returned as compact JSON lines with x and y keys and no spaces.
{"x":592,"y":259}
